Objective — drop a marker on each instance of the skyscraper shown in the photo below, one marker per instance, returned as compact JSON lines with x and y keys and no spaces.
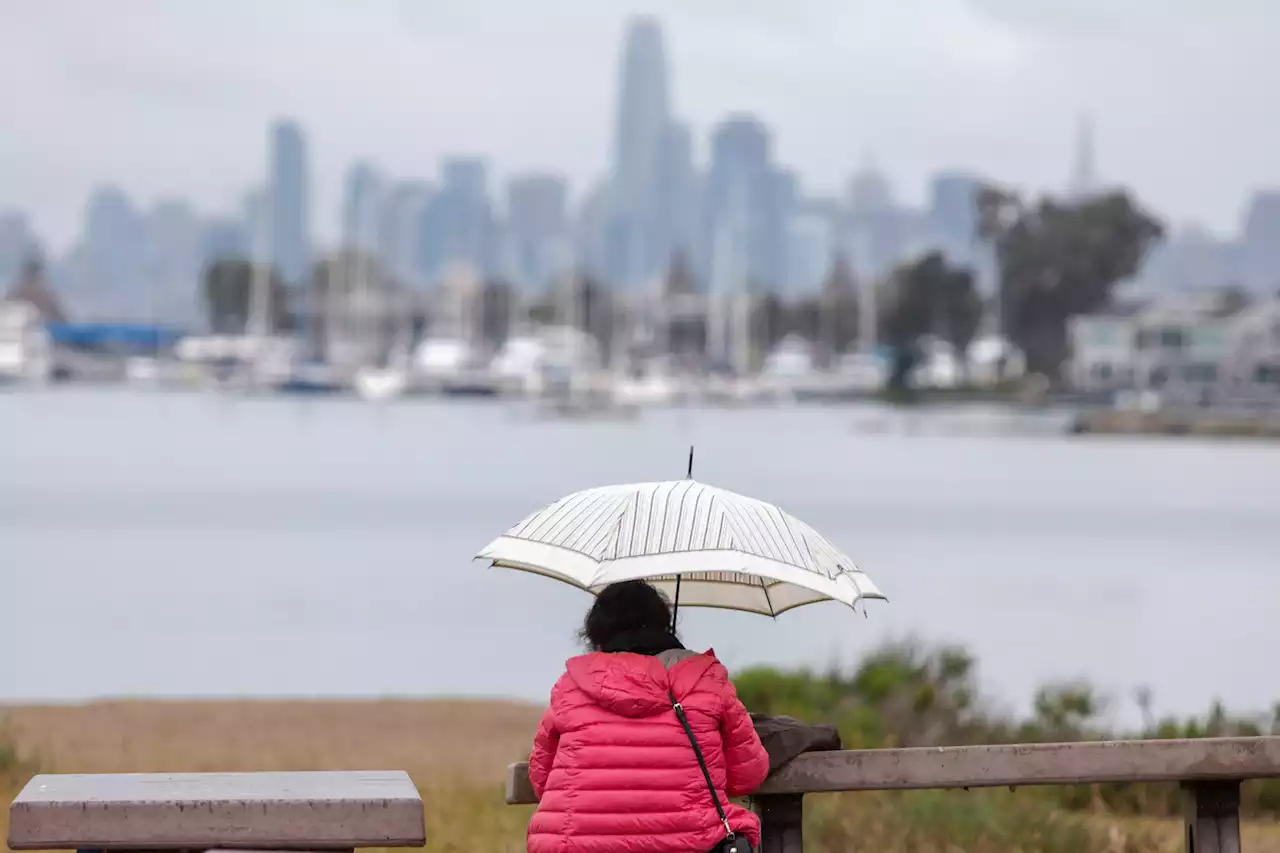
{"x":289,"y":202}
{"x":363,"y":199}
{"x":114,"y":252}
{"x":1261,"y":241}
{"x":677,"y":191}
{"x":173,"y":235}
{"x":749,"y":197}
{"x":537,"y":238}
{"x":953,"y":214}
{"x":640,"y":137}
{"x":458,"y":227}
{"x":401,"y":240}
{"x":17,"y":245}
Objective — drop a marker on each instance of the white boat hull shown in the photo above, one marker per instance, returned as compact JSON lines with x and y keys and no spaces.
{"x":378,"y":385}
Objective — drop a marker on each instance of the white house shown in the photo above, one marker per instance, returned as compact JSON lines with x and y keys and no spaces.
{"x":1171,"y":346}
{"x":1250,"y":366}
{"x":1103,"y":347}
{"x":1179,"y":344}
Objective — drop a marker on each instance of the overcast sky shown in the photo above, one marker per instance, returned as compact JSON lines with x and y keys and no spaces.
{"x":172,"y":97}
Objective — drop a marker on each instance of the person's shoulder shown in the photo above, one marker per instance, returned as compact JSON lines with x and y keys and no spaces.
{"x":701,"y":671}
{"x":715,"y":668}
{"x":566,"y":682}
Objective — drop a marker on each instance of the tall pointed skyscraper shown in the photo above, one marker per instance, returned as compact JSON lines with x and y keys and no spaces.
{"x":1084,"y":168}
{"x":641,"y":132}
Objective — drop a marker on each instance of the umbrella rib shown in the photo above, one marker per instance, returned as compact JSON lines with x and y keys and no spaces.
{"x":768,"y":599}
{"x":755,"y":546}
{"x":662,"y":528}
{"x":617,"y":535}
{"x":586,"y":521}
{"x":786,"y":525}
{"x":675,"y":539}
{"x":693,"y":523}
{"x":635,"y":521}
{"x":601,"y":541}
{"x":767,"y":526}
{"x":553,"y":516}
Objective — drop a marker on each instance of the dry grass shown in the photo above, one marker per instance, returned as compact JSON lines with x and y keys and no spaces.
{"x":457,"y":752}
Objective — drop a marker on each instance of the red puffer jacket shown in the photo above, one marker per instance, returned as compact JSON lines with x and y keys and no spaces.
{"x":613,"y":768}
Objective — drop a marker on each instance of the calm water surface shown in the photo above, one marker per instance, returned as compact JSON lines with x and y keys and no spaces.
{"x":174,"y":544}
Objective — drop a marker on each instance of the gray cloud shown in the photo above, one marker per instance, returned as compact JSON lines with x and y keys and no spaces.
{"x":172,"y":96}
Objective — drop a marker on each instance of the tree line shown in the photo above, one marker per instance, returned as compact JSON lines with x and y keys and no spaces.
{"x":1054,"y":259}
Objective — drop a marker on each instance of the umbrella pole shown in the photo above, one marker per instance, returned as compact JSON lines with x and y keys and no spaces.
{"x":675,"y":606}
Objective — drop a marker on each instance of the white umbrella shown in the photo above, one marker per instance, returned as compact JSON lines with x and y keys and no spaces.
{"x":702,"y":546}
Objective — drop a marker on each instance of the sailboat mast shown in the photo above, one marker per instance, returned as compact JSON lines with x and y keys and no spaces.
{"x":259,"y":282}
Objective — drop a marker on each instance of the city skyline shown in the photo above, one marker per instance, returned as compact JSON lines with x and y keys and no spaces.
{"x":910,"y":96}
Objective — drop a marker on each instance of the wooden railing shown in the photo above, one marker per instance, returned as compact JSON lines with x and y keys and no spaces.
{"x":1209,"y":770}
{"x":322,"y":811}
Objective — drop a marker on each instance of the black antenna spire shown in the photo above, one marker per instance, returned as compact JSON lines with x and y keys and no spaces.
{"x":688,"y":474}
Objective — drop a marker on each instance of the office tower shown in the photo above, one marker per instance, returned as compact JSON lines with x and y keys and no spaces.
{"x":401,"y":239}
{"x":677,"y":196}
{"x":289,"y":202}
{"x":173,"y":261}
{"x":111,"y":284}
{"x":1261,"y":242}
{"x":810,"y":246}
{"x":953,"y":215}
{"x":747,"y":195}
{"x":874,"y":238}
{"x":224,"y":239}
{"x":362,"y":208}
{"x":17,"y":245}
{"x":537,"y":230}
{"x":640,"y":136}
{"x":459,"y":227}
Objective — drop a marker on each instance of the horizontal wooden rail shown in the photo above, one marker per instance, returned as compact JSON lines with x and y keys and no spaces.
{"x":205,"y":811}
{"x":1013,"y":765}
{"x":1209,"y":769}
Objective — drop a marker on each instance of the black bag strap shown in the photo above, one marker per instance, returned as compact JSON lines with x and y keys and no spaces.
{"x":706,"y":774}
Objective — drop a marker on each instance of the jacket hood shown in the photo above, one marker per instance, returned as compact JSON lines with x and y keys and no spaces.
{"x":635,"y":685}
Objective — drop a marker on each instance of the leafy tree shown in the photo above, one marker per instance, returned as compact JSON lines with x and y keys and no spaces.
{"x":1059,"y":259}
{"x":499,"y":304}
{"x":683,"y":311}
{"x":769,"y":321}
{"x":679,"y":280}
{"x":804,"y":317}
{"x":227,"y":293}
{"x":927,"y":297}
{"x":838,"y":310}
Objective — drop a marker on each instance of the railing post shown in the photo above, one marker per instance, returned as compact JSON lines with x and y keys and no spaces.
{"x":781,"y":823}
{"x":1212,"y":815}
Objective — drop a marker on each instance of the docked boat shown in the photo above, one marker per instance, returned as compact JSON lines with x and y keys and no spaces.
{"x":26,"y":353}
{"x":380,"y":384}
{"x":310,"y":379}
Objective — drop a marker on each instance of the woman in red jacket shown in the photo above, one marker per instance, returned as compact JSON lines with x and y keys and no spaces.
{"x":612,"y":765}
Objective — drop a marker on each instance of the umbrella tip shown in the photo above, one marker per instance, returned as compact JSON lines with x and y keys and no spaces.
{"x":688,"y":474}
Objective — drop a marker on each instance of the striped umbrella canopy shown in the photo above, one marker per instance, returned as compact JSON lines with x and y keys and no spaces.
{"x":701,"y":545}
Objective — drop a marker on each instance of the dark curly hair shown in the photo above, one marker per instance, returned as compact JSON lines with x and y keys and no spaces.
{"x":623,"y":607}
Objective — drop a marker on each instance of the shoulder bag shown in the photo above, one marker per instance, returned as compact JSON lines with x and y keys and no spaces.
{"x":732,"y":843}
